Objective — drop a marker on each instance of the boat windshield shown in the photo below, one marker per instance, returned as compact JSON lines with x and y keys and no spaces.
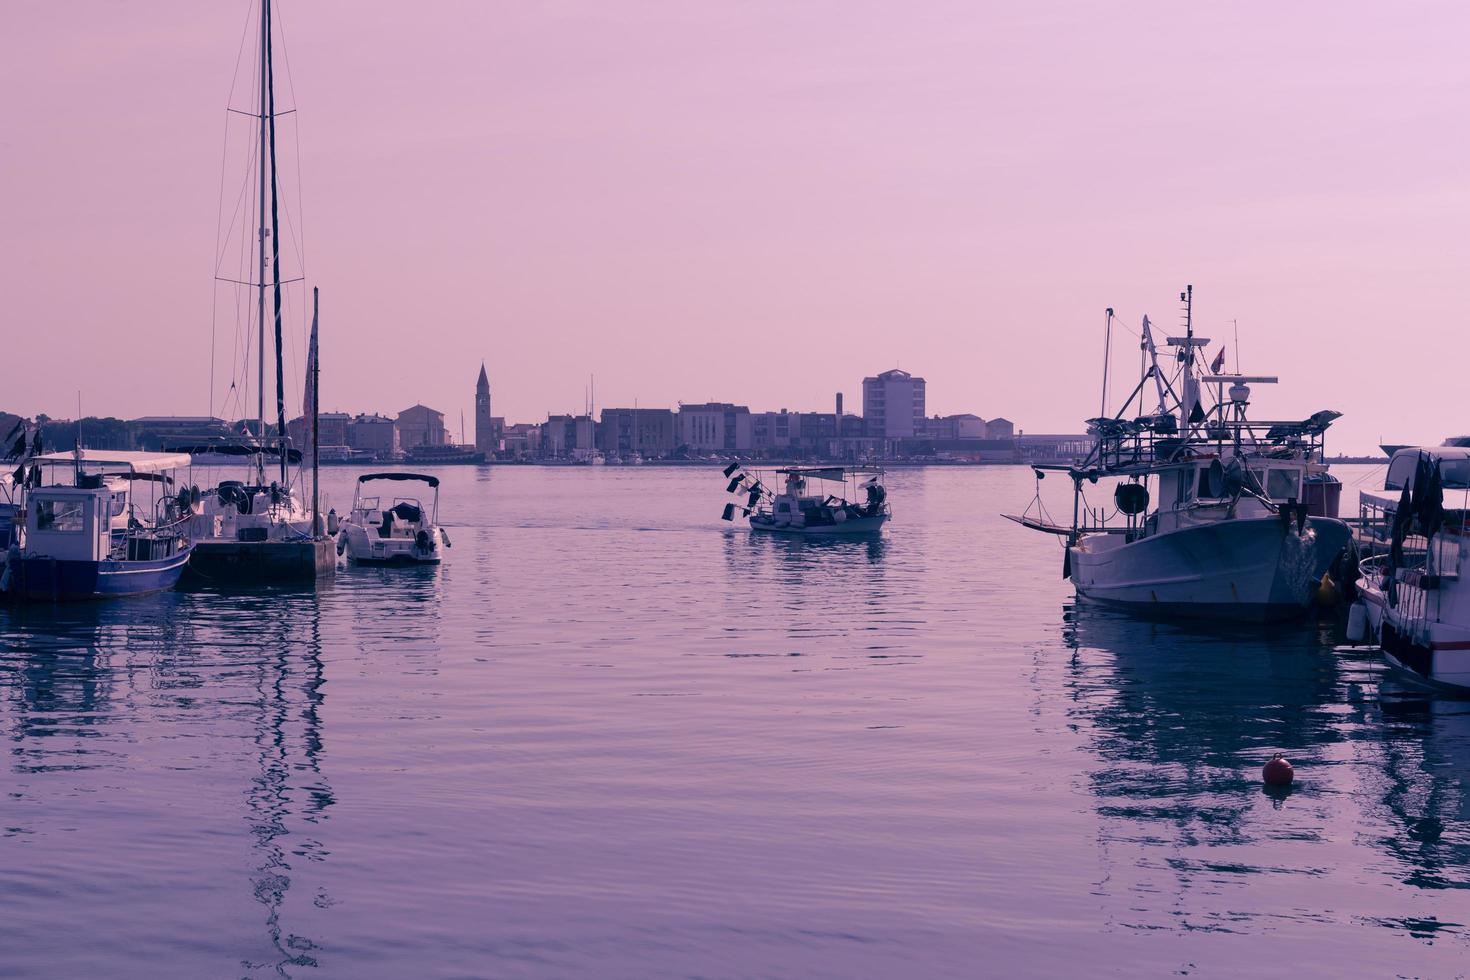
{"x":1454,"y":472}
{"x":1280,"y":484}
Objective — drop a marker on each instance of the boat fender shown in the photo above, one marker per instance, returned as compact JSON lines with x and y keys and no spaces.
{"x":839,"y":515}
{"x":333,"y":525}
{"x":1357,"y":623}
{"x":422,"y":540}
{"x":443,"y":534}
{"x":341,"y":544}
{"x":1327,"y":595}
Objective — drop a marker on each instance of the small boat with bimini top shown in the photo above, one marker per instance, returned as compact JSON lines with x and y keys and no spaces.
{"x":403,"y":532}
{"x":1214,"y":515}
{"x":1414,"y":602}
{"x":797,"y":510}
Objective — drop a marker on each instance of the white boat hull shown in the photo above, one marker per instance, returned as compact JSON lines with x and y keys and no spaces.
{"x":1258,"y":569}
{"x":363,"y":546}
{"x":1436,"y":654}
{"x":854,"y":525}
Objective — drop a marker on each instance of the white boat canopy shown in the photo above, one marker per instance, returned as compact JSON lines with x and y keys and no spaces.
{"x":134,"y":462}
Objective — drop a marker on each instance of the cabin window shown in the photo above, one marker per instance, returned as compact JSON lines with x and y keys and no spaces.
{"x":1284,"y":484}
{"x":119,"y":502}
{"x":1401,"y":471}
{"x":60,"y":516}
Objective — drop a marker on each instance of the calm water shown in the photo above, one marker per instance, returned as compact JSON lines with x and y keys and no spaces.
{"x":613,"y":737}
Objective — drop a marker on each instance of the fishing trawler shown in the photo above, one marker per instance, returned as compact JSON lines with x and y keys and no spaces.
{"x":1214,"y":514}
{"x":90,"y":532}
{"x":797,"y":510}
{"x":404,"y":532}
{"x":1413,"y":600}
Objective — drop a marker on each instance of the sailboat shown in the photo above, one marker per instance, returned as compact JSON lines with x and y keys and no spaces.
{"x":258,"y":531}
{"x":1215,"y":515}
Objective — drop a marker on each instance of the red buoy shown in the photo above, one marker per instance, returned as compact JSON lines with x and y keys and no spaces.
{"x":1278,"y":772}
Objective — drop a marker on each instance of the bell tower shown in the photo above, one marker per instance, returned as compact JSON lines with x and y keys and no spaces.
{"x":484,"y":426}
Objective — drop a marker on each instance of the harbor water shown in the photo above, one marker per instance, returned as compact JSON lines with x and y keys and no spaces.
{"x":612,"y":736}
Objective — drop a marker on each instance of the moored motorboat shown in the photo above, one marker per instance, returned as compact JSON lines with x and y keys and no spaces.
{"x":796,"y":510}
{"x":404,"y":532}
{"x":1215,"y":515}
{"x":1415,"y":604}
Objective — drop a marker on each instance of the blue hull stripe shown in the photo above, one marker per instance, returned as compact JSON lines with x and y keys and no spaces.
{"x":50,"y":578}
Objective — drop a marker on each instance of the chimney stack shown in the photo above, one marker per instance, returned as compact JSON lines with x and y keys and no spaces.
{"x":839,"y":406}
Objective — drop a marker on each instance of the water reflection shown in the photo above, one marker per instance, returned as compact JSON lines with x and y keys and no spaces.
{"x":288,"y":784}
{"x":1181,"y":720}
{"x":796,"y":592}
{"x":1418,"y":782}
{"x":169,"y":667}
{"x":62,"y":681}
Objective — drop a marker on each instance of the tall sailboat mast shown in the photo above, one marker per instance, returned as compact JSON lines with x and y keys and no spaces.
{"x":270,"y":74}
{"x":260,"y":234}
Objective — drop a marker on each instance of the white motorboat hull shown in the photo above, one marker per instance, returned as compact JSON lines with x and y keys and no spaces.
{"x":1259,"y":569}
{"x":363,"y":546}
{"x":854,"y":525}
{"x":1436,"y":654}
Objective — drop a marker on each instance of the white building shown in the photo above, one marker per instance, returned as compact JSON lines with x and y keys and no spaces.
{"x":715,"y":427}
{"x":893,"y":405}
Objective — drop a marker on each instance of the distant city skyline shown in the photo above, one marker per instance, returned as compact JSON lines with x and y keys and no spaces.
{"x":764,"y":202}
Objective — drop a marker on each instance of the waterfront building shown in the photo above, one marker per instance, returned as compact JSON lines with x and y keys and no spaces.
{"x":963,"y":426}
{"x":522,"y":439}
{"x":156,"y":433}
{"x":1000,"y":429}
{"x":715,"y":427}
{"x":331,"y":429}
{"x":421,"y":426}
{"x":1046,"y":448}
{"x":487,"y":434}
{"x":376,"y":434}
{"x":568,"y":436}
{"x":772,"y":433}
{"x":893,"y":405}
{"x":649,"y":432}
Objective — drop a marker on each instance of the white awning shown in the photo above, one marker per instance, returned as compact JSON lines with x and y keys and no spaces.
{"x":95,"y":459}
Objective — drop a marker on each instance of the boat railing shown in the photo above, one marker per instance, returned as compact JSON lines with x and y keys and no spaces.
{"x":1154,"y":440}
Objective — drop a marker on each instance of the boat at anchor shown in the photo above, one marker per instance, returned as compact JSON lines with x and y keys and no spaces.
{"x":796,"y":509}
{"x":1215,"y":515}
{"x":404,"y":532}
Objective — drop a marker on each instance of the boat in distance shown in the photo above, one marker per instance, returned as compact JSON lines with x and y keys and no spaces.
{"x":402,"y":533}
{"x":828,"y":512}
{"x":1244,"y":522}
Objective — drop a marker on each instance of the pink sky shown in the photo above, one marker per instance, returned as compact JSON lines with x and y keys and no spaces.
{"x":760,"y":202}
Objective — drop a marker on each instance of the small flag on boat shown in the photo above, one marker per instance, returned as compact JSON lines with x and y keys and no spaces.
{"x":1218,"y":362}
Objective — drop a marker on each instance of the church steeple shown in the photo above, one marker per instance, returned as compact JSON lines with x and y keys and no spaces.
{"x":487,"y":439}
